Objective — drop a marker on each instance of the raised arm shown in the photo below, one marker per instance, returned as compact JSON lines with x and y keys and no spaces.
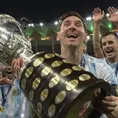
{"x":113,"y":15}
{"x":97,"y":17}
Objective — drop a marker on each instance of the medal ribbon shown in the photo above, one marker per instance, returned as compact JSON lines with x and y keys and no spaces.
{"x":4,"y":94}
{"x":116,"y":70}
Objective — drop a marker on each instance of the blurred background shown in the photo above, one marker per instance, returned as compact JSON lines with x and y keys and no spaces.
{"x":40,"y":19}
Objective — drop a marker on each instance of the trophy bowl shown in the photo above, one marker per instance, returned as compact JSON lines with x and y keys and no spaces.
{"x":58,"y":89}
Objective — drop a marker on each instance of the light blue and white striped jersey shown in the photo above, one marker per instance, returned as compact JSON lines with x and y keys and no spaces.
{"x":99,"y":68}
{"x":114,"y":66}
{"x":16,"y":105}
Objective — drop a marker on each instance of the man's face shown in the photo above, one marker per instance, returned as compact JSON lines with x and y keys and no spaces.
{"x":71,"y":32}
{"x":110,"y":46}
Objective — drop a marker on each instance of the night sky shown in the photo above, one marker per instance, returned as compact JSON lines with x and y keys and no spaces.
{"x":48,"y":10}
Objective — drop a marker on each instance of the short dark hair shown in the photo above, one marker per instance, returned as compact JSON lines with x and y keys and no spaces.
{"x":71,"y":13}
{"x":110,"y":33}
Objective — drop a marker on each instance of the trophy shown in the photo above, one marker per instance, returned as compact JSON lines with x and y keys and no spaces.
{"x":59,"y":89}
{"x":13,"y":41}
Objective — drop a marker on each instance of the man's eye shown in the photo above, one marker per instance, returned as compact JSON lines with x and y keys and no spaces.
{"x":110,"y":42}
{"x":66,"y":24}
{"x":78,"y":24}
{"x":104,"y":44}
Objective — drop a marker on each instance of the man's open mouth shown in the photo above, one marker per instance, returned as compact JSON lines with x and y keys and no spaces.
{"x":109,"y":50}
{"x":72,"y":35}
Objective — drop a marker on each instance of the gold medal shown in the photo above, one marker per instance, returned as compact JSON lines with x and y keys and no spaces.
{"x":28,"y":72}
{"x":38,"y":61}
{"x":45,"y":71}
{"x":76,"y":68}
{"x":39,"y":107}
{"x":23,"y":83}
{"x":36,"y":83}
{"x":31,"y":95}
{"x":66,"y":72}
{"x":84,"y":77}
{"x":2,"y":109}
{"x":44,"y":95}
{"x":56,"y":64}
{"x":49,"y":55}
{"x":60,"y":97}
{"x":65,"y":61}
{"x":51,"y":111}
{"x":72,"y":84}
{"x":57,"y":54}
{"x":54,"y":81}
